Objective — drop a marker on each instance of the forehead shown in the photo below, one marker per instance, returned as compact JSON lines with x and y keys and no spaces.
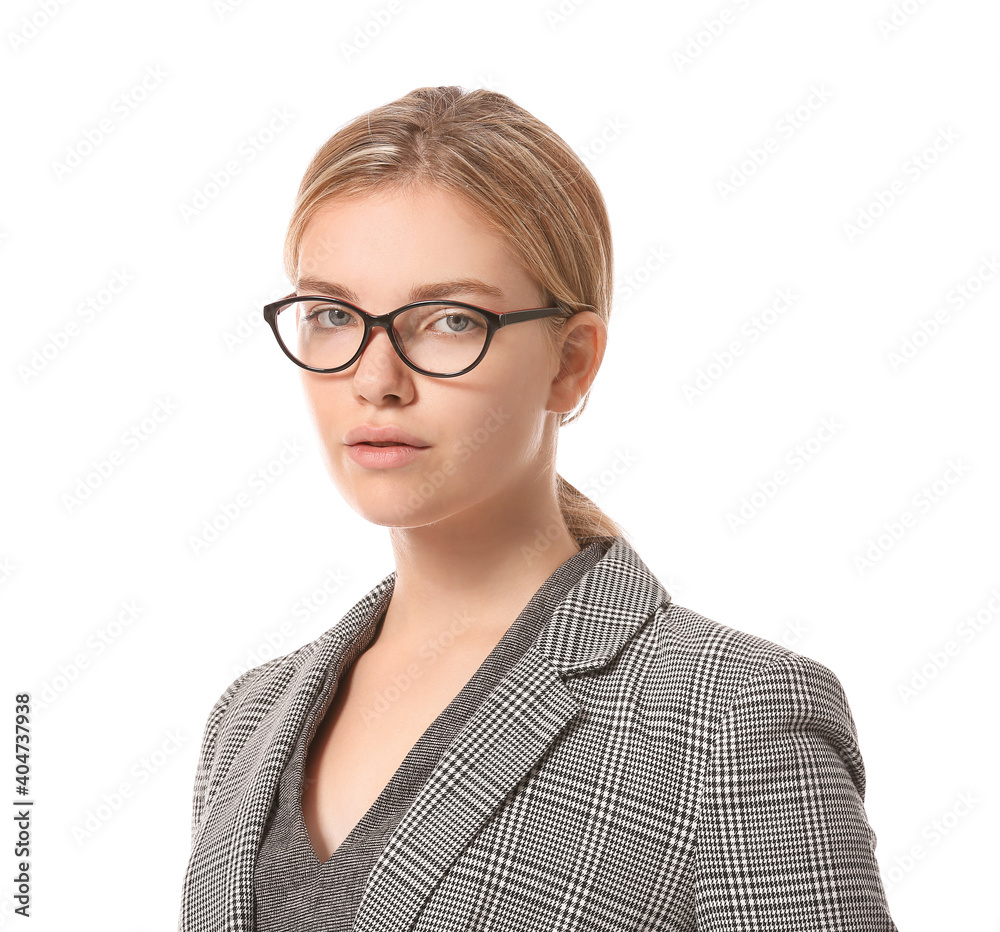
{"x":420,"y":221}
{"x":389,"y":241}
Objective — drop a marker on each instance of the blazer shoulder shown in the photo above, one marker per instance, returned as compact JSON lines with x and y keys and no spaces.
{"x":739,"y":651}
{"x":724,"y":665}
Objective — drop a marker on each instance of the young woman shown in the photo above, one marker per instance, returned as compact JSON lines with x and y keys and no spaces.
{"x":517,"y":729}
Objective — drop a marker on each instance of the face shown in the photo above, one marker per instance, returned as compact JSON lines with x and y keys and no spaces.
{"x":483,"y":435}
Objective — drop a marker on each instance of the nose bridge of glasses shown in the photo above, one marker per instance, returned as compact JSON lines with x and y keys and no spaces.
{"x":384,"y":323}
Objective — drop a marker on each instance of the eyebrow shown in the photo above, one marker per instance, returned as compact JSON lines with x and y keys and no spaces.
{"x":426,"y":292}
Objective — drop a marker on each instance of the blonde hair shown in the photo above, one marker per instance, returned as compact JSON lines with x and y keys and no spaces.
{"x":516,"y":173}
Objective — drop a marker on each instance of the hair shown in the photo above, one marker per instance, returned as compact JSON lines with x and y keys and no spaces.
{"x":516,"y":173}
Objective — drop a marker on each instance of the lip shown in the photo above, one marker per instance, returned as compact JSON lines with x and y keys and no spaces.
{"x":383,"y":434}
{"x":383,"y":457}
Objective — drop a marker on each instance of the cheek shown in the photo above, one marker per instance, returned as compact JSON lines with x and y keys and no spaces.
{"x":504,"y":433}
{"x":325,"y":405}
{"x":313,"y":396}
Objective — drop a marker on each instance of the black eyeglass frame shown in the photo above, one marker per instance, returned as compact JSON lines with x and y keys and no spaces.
{"x":494,"y":321}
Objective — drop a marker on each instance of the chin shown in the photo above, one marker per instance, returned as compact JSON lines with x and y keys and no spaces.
{"x":401,"y":507}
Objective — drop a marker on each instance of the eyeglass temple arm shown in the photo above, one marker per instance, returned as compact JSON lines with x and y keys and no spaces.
{"x":534,"y":313}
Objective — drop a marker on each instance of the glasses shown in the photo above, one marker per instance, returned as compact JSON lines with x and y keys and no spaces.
{"x":442,"y":339}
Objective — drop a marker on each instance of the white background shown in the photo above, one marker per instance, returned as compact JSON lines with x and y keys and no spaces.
{"x":664,"y":108}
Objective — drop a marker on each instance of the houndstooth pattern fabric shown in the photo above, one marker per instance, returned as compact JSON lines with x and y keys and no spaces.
{"x":294,"y":891}
{"x":641,"y":767}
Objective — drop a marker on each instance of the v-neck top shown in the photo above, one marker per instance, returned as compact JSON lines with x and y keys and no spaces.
{"x":293,"y":891}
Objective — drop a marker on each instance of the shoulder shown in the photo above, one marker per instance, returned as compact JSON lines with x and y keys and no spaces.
{"x":676,"y":651}
{"x":725,"y":661}
{"x":715,"y":681}
{"x":763,"y":741}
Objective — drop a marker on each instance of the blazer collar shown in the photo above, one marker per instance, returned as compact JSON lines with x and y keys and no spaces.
{"x":495,"y":749}
{"x":602,"y":612}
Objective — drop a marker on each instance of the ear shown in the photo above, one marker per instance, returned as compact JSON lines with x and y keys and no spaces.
{"x":579,"y":350}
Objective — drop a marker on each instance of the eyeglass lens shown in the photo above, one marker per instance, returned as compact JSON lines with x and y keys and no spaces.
{"x":436,"y":337}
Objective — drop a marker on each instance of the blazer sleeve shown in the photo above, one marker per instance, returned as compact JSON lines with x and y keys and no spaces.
{"x":783,"y":841}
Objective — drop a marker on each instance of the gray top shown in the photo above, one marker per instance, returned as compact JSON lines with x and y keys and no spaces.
{"x":293,"y":891}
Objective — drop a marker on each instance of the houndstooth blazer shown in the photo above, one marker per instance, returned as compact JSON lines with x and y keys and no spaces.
{"x":640,"y":768}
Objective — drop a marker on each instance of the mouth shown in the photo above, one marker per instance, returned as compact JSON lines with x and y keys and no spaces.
{"x":383,"y":454}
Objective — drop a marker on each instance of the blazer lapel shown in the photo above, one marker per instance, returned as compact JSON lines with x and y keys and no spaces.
{"x":499,"y":745}
{"x":243,"y":799}
{"x":513,"y":728}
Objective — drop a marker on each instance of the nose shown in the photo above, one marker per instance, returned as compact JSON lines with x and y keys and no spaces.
{"x":380,"y":371}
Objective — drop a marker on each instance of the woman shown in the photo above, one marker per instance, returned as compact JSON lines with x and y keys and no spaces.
{"x":517,"y":729}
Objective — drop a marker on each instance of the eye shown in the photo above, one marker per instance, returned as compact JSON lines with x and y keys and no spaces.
{"x":328,"y":316}
{"x":454,"y":321}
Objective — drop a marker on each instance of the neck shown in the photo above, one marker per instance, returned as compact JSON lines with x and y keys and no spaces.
{"x":467,"y":578}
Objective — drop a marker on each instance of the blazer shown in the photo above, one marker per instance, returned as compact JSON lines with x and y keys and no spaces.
{"x":641,"y":767}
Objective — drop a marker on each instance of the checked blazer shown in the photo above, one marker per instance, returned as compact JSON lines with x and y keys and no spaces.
{"x":641,"y":767}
